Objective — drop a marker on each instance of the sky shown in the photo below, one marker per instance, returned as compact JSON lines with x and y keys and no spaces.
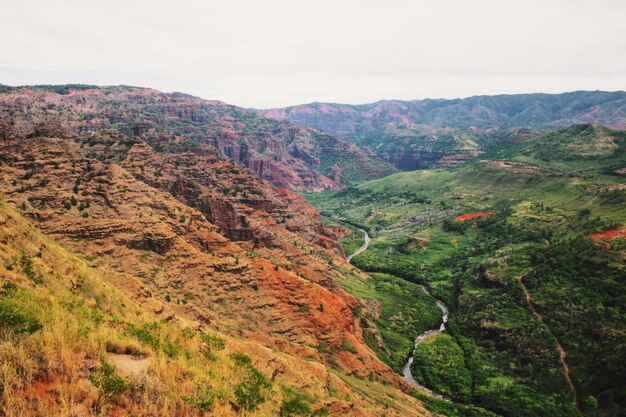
{"x":274,"y":53}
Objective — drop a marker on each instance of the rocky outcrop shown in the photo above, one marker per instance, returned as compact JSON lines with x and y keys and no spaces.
{"x":254,"y":261}
{"x":285,"y":154}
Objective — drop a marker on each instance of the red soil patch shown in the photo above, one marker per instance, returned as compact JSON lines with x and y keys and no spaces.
{"x":470,"y":216}
{"x":610,"y":234}
{"x":40,"y":389}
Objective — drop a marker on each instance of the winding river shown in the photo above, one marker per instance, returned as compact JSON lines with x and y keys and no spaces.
{"x":367,"y":239}
{"x":406,"y":371}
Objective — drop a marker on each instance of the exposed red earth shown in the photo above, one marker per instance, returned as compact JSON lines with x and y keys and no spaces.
{"x":610,"y":234}
{"x":471,"y":216}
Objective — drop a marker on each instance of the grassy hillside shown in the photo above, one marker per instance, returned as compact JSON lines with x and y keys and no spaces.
{"x":73,"y":343}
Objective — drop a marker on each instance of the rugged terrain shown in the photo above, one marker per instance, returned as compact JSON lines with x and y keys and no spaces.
{"x":155,"y":260}
{"x":525,"y":246}
{"x":435,"y":132}
{"x":285,"y":154}
{"x":142,"y":272}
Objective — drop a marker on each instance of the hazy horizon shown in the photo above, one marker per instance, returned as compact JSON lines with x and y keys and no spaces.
{"x":279,"y":53}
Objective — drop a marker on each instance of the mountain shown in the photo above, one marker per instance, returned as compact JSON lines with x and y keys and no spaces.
{"x":544,"y":110}
{"x":583,"y":145}
{"x":422,"y":133}
{"x":285,"y":154}
{"x":142,"y":273}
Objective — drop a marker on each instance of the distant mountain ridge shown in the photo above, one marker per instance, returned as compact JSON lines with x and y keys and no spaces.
{"x":507,"y":110}
{"x":419,"y":134}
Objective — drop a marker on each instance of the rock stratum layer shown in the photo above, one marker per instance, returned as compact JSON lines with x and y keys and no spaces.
{"x":105,"y":208}
{"x":285,"y":154}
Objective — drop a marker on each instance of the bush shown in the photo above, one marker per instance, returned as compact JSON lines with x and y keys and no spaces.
{"x":250,"y":392}
{"x":348,"y":347}
{"x":145,"y":334}
{"x":297,"y":404}
{"x":203,"y":398}
{"x":214,"y":342}
{"x":14,"y":321}
{"x":294,"y":406}
{"x":29,"y":269}
{"x":172,"y":349}
{"x":108,"y":382}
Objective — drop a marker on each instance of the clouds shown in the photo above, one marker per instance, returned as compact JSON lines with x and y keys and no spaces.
{"x":276,"y":52}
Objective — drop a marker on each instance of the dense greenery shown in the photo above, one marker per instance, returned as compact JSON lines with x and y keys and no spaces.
{"x":439,"y":363}
{"x":520,"y":283}
{"x":405,"y":311}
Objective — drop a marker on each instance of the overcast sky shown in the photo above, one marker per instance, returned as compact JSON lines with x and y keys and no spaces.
{"x":270,"y":53}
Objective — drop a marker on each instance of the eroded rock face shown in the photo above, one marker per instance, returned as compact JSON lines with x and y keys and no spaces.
{"x":254,"y":261}
{"x":7,"y":132}
{"x":287,"y":155}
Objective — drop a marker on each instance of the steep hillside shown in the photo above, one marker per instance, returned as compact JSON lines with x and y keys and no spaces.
{"x":420,"y":147}
{"x":584,"y":146}
{"x":80,"y":339}
{"x":183,"y":239}
{"x":287,"y":155}
{"x":425,"y":133}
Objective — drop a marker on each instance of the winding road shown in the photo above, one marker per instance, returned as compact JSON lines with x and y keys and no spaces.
{"x":406,"y":370}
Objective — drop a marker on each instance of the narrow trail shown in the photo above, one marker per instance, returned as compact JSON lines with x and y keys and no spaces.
{"x":406,"y":370}
{"x":559,"y":347}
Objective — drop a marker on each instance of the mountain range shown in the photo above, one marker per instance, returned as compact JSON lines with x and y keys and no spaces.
{"x":162,"y":254}
{"x":418,"y":134}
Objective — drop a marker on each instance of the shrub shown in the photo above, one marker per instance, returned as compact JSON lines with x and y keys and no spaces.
{"x":14,"y":321}
{"x":172,"y":349}
{"x":203,"y":398}
{"x":297,"y":404}
{"x":145,"y":334}
{"x":250,"y":392}
{"x":347,"y":346}
{"x":108,"y":382}
{"x":294,"y":406}
{"x":214,"y":342}
{"x":29,"y":269}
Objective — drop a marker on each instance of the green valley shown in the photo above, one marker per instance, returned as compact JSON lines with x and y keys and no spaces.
{"x":505,"y":242}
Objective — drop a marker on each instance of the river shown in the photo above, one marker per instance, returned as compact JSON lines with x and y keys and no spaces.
{"x":406,"y":371}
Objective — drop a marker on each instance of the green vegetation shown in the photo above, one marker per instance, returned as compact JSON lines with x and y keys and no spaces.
{"x":203,"y":398}
{"x":405,"y":311}
{"x":108,"y":382}
{"x":15,"y":319}
{"x":439,"y":363}
{"x":251,"y":391}
{"x":501,"y":349}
